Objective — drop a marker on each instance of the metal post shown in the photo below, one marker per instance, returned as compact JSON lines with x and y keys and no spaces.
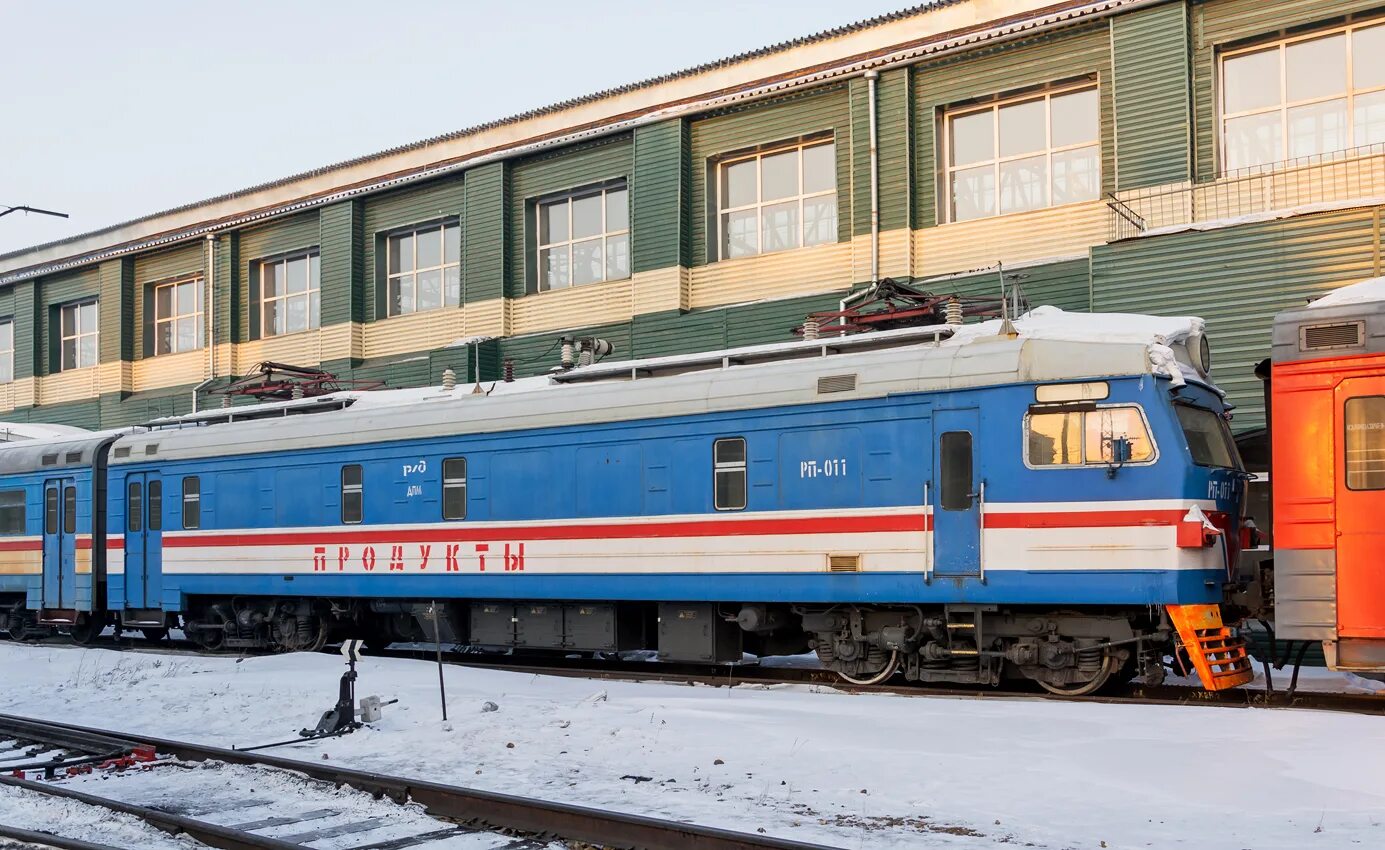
{"x":981,"y":537}
{"x":437,"y":645}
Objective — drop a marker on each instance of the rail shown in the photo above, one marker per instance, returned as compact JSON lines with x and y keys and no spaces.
{"x":1328,"y":179}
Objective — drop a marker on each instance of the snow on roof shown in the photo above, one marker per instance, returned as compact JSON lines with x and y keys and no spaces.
{"x":1360,"y":292}
{"x":11,"y":432}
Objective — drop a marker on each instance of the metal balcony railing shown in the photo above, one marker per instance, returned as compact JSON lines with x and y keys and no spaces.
{"x":1281,"y":187}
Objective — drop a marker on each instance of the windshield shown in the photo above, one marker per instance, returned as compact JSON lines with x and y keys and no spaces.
{"x":1209,"y":437}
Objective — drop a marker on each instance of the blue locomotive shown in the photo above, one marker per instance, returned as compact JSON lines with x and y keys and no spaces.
{"x":1058,"y":500}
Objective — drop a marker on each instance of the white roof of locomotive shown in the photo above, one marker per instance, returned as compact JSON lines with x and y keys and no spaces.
{"x":1361,"y":292}
{"x":1051,"y":345}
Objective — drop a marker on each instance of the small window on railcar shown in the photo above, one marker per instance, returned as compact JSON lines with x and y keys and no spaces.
{"x":352,"y":494}
{"x":1209,"y":437}
{"x":954,"y":453}
{"x":134,"y":507}
{"x":728,"y":472}
{"x":50,"y":510}
{"x":1079,"y":438}
{"x":454,"y":488}
{"x":1364,"y":447}
{"x":192,"y":502}
{"x":155,"y":496}
{"x":12,"y":512}
{"x":69,"y":509}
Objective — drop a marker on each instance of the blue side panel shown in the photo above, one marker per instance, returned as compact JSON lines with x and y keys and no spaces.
{"x":1153,"y":587}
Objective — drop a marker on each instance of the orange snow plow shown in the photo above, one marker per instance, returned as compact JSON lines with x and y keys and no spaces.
{"x":1218,"y":656}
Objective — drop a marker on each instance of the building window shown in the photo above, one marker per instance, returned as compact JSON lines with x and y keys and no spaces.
{"x":583,"y":237}
{"x":178,"y":316}
{"x":1303,"y":97}
{"x":1023,"y":154}
{"x":454,"y":488}
{"x":425,"y":269}
{"x":1077,"y":438}
{"x":777,"y":200}
{"x":290,"y":294}
{"x":12,"y":503}
{"x":6,"y":350}
{"x":78,"y":330}
{"x":728,"y":470}
{"x":352,"y":494}
{"x":192,"y":501}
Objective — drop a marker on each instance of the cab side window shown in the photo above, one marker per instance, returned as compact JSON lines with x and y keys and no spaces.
{"x":1086,"y":437}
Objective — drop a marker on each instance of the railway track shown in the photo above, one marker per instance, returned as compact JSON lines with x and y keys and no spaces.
{"x":439,"y":815}
{"x":754,"y":674}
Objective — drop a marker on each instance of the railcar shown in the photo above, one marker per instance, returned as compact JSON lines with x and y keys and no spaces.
{"x":1057,"y":500}
{"x":52,"y":563}
{"x":1327,"y":434}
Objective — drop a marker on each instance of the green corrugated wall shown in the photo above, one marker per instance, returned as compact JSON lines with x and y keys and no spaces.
{"x":892,"y":142}
{"x":1217,"y":23}
{"x":1066,"y":285}
{"x":483,"y":234}
{"x":29,"y":348}
{"x":1237,"y":278}
{"x":1152,"y":96}
{"x":824,"y":110}
{"x":230,"y":296}
{"x":56,"y":290}
{"x":559,"y":171}
{"x":341,"y":235}
{"x":672,"y":332}
{"x":1063,"y":55}
{"x":657,"y":196}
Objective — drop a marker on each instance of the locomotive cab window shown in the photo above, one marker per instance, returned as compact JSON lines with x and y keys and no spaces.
{"x":1209,"y":437}
{"x":954,"y":454}
{"x":728,"y":471}
{"x":454,"y":488}
{"x":1086,"y":437}
{"x":12,"y":512}
{"x":352,"y":494}
{"x":192,"y":502}
{"x":1364,"y":442}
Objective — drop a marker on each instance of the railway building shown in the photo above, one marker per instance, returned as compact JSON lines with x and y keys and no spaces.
{"x":1218,"y":158}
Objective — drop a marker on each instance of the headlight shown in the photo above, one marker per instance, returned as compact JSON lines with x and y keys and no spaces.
{"x":1200,"y":352}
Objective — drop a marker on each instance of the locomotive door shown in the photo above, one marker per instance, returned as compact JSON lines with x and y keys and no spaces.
{"x":60,"y":543}
{"x":1360,"y":440}
{"x":957,"y":509}
{"x":143,"y":540}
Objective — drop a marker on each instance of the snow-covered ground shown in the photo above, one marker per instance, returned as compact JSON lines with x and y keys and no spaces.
{"x":854,"y":771}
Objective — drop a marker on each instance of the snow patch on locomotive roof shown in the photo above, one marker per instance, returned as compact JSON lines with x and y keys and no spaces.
{"x":1361,"y":292}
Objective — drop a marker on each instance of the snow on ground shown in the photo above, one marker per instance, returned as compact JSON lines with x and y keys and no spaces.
{"x":853,"y":771}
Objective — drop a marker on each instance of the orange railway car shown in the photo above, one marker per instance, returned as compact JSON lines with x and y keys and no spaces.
{"x":1327,"y":433}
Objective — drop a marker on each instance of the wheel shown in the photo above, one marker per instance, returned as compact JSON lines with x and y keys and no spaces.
{"x":87,"y":629}
{"x":875,"y":678}
{"x":154,"y":635}
{"x":1082,"y":689}
{"x":212,"y":636}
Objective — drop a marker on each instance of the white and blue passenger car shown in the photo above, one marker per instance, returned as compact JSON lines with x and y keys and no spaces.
{"x":962,"y":503}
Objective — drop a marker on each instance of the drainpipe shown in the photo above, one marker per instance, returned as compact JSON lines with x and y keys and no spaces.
{"x":211,"y":319}
{"x":872,"y":76}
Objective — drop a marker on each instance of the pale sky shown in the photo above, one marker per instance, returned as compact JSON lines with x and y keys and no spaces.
{"x":114,"y":110}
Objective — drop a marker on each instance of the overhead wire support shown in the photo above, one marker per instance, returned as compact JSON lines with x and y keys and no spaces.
{"x":23,"y":208}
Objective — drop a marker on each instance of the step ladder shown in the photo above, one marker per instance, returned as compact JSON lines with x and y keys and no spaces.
{"x":1218,"y":655}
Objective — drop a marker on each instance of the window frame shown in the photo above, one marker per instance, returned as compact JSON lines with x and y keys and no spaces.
{"x":1346,"y":447}
{"x":358,"y":489}
{"x":134,"y":516}
{"x":22,"y":505}
{"x":1084,"y":410}
{"x":192,"y":500}
{"x":442,"y":225}
{"x":7,"y":353}
{"x":567,"y":197}
{"x":1281,"y":45}
{"x":79,"y":335}
{"x":312,"y":293}
{"x":154,"y":504}
{"x":721,"y":164}
{"x":198,"y":314}
{"x":950,"y":114}
{"x":722,"y":467}
{"x":453,"y":483}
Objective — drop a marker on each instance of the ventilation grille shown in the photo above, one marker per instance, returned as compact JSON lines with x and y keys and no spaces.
{"x":152,"y":448}
{"x":836,"y":383}
{"x":50,"y":460}
{"x":843,"y":563}
{"x":1344,"y":335}
{"x":122,"y":451}
{"x":73,"y":457}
